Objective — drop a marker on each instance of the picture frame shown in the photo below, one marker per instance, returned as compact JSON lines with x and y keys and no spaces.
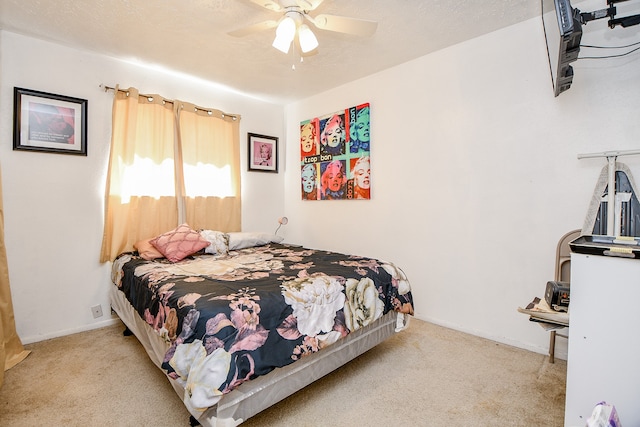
{"x":263,"y":152}
{"x":47,"y":122}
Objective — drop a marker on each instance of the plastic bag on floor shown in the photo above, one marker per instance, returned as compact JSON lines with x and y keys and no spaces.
{"x":604,"y":415}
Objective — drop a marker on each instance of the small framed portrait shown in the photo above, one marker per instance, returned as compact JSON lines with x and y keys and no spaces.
{"x":263,"y":153}
{"x":49,"y":123}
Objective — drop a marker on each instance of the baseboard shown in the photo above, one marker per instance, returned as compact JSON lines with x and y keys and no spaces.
{"x":97,"y":325}
{"x":560,"y":354}
{"x":561,"y":351}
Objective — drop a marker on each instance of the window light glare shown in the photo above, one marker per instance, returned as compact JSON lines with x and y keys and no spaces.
{"x":207,"y":181}
{"x":146,"y":178}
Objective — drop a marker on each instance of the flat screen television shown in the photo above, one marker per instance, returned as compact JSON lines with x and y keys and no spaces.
{"x":562,"y":32}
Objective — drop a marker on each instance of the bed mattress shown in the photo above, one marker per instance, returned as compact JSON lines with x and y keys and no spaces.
{"x":238,"y":333}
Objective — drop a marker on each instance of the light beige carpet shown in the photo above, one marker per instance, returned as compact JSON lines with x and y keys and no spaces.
{"x":424,"y":376}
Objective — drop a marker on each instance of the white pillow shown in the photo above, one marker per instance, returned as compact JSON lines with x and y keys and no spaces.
{"x":218,"y":242}
{"x":241,"y":240}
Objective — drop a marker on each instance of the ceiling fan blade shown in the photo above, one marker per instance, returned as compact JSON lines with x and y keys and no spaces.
{"x":268,"y":4}
{"x":260,"y":26}
{"x":343,"y":24}
{"x":309,"y":5}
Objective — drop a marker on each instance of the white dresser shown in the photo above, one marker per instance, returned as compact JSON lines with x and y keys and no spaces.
{"x":604,"y":338}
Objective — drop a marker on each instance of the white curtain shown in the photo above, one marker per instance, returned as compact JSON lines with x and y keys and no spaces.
{"x":209,"y":142}
{"x":170,"y":162}
{"x":11,"y":350}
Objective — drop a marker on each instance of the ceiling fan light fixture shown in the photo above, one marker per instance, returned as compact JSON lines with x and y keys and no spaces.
{"x":282,"y":44}
{"x":295,"y":15}
{"x":307,"y":39}
{"x":285,"y":33}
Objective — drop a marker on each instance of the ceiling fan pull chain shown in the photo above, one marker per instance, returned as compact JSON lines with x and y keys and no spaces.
{"x":293,"y":55}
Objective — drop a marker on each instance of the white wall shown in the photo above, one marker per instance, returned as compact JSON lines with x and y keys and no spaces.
{"x":53,"y":203}
{"x":475,"y":174}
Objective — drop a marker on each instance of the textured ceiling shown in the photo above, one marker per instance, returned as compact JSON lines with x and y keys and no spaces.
{"x":190,"y":36}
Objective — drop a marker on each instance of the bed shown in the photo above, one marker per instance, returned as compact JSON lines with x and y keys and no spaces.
{"x":240,"y":328}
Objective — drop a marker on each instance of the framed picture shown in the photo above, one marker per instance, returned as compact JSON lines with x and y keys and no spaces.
{"x":48,"y":122}
{"x":263,"y":153}
{"x":336,"y":145}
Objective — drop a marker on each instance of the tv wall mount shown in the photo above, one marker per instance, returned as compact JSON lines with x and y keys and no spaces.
{"x":609,"y":12}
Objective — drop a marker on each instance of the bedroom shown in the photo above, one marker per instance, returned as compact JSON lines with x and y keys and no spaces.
{"x":476,"y":176}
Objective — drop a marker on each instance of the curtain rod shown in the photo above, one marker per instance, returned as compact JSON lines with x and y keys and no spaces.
{"x":169,"y":101}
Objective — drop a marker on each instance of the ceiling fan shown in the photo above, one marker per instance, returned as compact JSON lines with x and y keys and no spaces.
{"x":295,"y":13}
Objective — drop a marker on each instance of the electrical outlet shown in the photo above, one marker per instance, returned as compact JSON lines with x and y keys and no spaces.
{"x":97,"y":311}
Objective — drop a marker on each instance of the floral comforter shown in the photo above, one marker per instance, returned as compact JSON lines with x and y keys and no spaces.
{"x":230,"y":318}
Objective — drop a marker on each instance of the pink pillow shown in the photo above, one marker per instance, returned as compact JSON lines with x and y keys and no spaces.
{"x":147,"y":250}
{"x":179,"y":243}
